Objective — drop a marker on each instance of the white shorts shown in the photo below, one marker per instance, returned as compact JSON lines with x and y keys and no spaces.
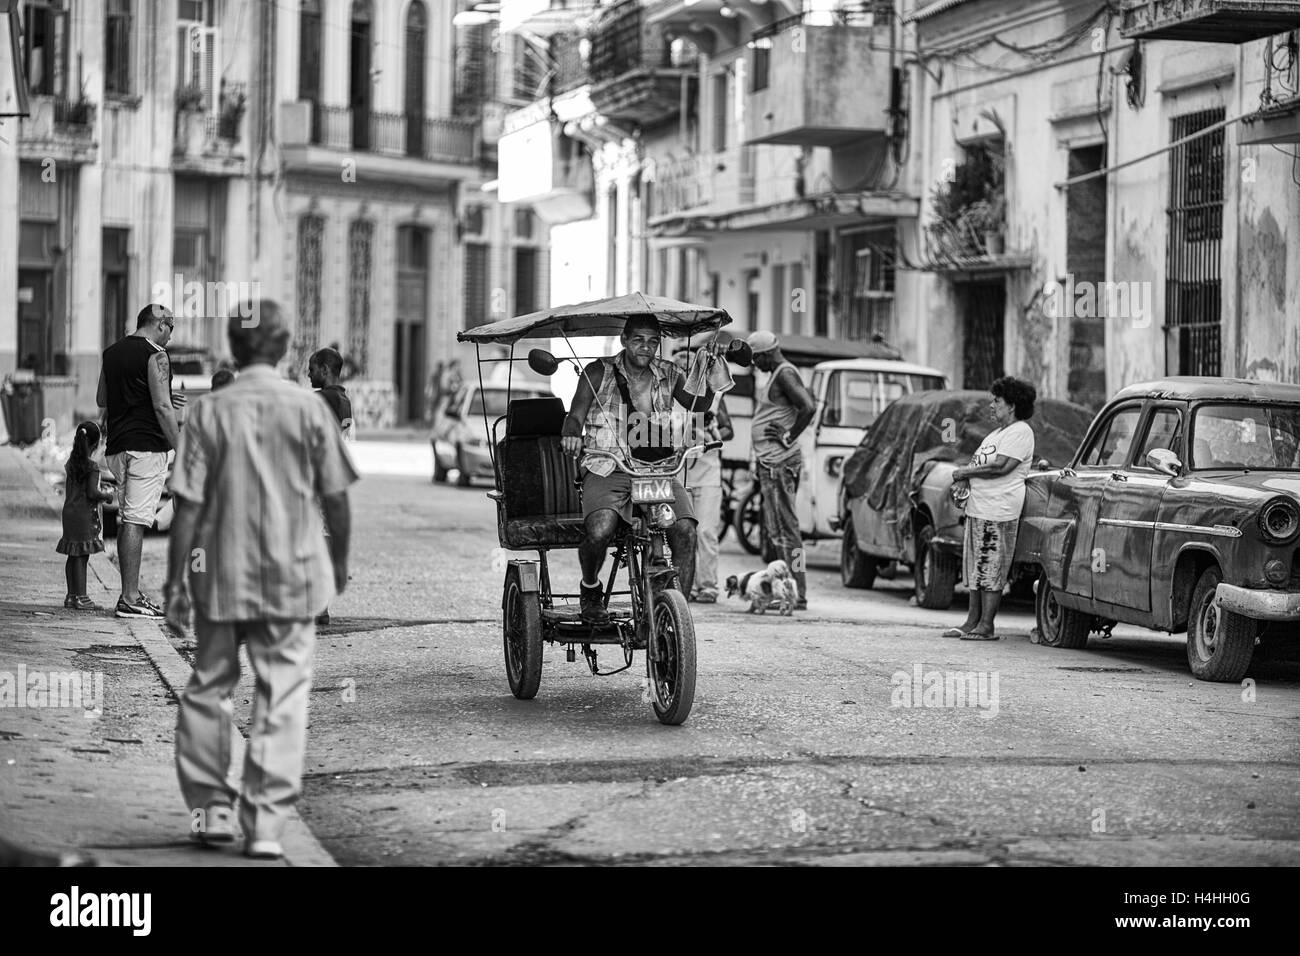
{"x":141,"y":476}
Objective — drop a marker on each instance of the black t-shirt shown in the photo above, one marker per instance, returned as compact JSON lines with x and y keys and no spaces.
{"x":132,"y":421}
{"x":336,"y":397}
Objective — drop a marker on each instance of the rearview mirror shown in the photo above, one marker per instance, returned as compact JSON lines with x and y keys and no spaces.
{"x":542,"y":362}
{"x":740,"y":353}
{"x":1164,"y":461}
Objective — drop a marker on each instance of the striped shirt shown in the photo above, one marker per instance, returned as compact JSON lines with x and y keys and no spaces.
{"x":255,"y":456}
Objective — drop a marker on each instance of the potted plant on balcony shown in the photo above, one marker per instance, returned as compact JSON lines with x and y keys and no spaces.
{"x":191,"y":121}
{"x":985,"y":219}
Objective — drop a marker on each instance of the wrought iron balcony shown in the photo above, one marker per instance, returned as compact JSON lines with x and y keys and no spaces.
{"x":1208,"y":21}
{"x":439,"y":139}
{"x":631,"y":69}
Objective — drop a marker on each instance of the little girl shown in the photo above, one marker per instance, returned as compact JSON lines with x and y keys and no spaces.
{"x":82,"y":516}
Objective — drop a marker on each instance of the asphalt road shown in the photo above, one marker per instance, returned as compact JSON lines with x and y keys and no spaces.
{"x":802,"y":747}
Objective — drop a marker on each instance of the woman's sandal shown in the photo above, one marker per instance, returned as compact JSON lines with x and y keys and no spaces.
{"x":977,"y":636}
{"x":954,"y":632}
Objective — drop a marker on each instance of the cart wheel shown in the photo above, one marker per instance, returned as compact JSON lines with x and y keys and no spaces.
{"x":521,"y":628}
{"x":749,"y":520}
{"x":672,"y":677}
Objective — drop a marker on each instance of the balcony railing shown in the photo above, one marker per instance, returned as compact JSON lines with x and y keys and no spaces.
{"x":620,"y":45}
{"x":335,"y":127}
{"x":388,"y":133}
{"x":570,"y":68}
{"x":74,"y":113}
{"x":445,"y":139}
{"x":1208,"y":21}
{"x":712,"y":183}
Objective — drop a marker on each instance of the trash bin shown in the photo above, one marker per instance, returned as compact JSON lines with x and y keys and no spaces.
{"x":24,"y":409}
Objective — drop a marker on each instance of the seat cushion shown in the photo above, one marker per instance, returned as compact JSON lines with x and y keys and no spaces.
{"x":537,"y":482}
{"x":529,"y":417}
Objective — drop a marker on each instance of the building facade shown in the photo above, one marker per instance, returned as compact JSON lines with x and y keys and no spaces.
{"x":329,"y":154}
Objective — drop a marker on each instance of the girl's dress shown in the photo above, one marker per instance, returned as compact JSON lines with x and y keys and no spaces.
{"x":83,"y":526}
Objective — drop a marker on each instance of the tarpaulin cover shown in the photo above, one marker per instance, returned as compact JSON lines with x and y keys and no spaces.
{"x":946,"y":426}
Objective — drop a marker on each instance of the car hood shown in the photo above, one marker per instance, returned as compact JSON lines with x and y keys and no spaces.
{"x":1264,"y":483}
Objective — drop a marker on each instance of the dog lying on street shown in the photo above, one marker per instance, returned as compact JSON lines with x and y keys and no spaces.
{"x":762,"y":589}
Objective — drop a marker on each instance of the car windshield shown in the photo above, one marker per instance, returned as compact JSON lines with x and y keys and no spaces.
{"x":855,"y":398}
{"x":1246,"y":436}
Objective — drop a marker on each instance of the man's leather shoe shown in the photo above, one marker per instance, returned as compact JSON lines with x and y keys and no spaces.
{"x":592,"y":604}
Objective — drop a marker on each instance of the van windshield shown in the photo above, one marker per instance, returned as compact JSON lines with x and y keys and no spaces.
{"x":855,"y":398}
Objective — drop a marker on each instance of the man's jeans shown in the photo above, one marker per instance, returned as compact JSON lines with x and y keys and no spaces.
{"x":708,"y":511}
{"x":779,"y":484}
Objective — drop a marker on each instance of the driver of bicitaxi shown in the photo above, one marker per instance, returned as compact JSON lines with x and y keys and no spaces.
{"x":625,"y":404}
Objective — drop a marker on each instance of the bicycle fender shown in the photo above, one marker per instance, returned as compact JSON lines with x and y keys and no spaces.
{"x":529,"y":580}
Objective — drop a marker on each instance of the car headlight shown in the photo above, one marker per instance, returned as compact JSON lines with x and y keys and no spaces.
{"x":1279,"y":520}
{"x":834,"y":465}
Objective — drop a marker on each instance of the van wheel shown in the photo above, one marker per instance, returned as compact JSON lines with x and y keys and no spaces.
{"x":935,"y":572}
{"x":857,"y":568}
{"x":1059,"y":626}
{"x":1225,"y":658}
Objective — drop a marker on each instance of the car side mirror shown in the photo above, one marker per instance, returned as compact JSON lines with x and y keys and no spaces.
{"x":1164,"y":461}
{"x":542,"y":362}
{"x":1043,"y":465}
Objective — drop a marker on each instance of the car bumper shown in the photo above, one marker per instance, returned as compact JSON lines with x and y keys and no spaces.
{"x":479,"y":460}
{"x":1258,"y":604}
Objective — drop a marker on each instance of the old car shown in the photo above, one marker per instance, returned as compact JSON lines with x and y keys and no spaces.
{"x":459,"y":439}
{"x":1179,"y":512}
{"x":895,"y":502}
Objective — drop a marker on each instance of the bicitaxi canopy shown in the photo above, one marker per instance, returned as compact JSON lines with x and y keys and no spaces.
{"x":605,"y":317}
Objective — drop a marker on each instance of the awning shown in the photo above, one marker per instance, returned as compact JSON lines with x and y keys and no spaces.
{"x":826,"y":211}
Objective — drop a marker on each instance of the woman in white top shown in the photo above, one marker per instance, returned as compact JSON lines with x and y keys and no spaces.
{"x":996,"y":478}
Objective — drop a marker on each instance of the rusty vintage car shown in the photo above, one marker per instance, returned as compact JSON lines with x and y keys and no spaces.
{"x":895,"y":505}
{"x":1180,"y":512}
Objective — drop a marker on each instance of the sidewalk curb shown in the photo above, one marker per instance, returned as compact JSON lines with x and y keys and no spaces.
{"x":301,"y":848}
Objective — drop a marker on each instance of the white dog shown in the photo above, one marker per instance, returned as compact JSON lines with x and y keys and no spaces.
{"x":772,"y":585}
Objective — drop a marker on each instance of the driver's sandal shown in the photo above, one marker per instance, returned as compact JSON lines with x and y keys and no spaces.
{"x":592,"y":604}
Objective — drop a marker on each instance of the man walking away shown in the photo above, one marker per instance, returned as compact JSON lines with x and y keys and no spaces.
{"x":324,"y":369}
{"x":140,"y":420}
{"x":252,"y":460}
{"x":782,"y":410}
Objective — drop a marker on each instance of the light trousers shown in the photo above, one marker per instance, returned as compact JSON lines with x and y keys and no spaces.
{"x":708,"y":511}
{"x":281,"y":653}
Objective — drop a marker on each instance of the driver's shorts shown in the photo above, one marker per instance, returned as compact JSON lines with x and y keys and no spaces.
{"x":615,"y":493}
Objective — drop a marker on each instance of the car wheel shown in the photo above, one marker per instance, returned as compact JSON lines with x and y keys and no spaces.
{"x":857,"y":569}
{"x":462,"y":471}
{"x":1059,"y":626}
{"x":439,"y":472}
{"x":935,"y":572}
{"x":1212,"y":656}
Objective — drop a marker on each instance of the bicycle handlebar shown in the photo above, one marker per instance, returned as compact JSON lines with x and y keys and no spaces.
{"x":652,"y":470}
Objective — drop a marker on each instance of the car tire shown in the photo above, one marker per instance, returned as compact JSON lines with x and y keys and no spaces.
{"x":857,"y":568}
{"x":935,"y":572}
{"x":1059,"y":626}
{"x":439,"y":472}
{"x":463,"y":477}
{"x":1225,"y":659}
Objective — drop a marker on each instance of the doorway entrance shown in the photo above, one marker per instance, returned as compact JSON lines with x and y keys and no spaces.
{"x":983,"y":311}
